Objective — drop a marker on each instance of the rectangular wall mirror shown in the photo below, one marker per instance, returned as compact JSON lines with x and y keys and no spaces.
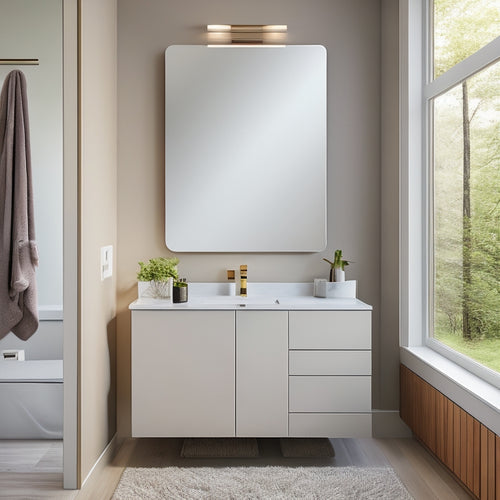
{"x":245,"y":148}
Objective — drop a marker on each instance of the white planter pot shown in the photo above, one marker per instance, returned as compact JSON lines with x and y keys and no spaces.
{"x":155,"y":289}
{"x":339,"y":275}
{"x":336,"y":290}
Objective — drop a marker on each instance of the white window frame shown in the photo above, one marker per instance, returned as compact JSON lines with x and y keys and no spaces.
{"x":471,"y":384}
{"x":432,"y":88}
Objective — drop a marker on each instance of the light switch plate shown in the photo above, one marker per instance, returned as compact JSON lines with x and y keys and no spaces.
{"x":106,"y":262}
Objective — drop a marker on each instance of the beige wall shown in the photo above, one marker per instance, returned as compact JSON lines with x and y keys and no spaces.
{"x":98,"y":227}
{"x":351,"y":33}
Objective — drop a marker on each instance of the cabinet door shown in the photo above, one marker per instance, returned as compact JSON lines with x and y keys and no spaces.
{"x":183,"y":373}
{"x":262,"y":373}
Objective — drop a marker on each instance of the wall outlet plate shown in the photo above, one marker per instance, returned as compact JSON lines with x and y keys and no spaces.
{"x":13,"y":354}
{"x":106,"y":262}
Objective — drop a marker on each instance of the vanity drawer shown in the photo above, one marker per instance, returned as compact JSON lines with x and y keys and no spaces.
{"x":324,"y":394}
{"x":330,"y":330}
{"x":330,"y":362}
{"x":334,"y":425}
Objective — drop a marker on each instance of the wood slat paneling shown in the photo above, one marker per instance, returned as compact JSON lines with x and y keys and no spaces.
{"x":441,"y":414}
{"x":497,"y":460}
{"x":492,"y":468}
{"x":470,"y":452}
{"x":449,"y":435}
{"x":468,"y":448}
{"x":477,"y":458}
{"x":463,"y":446}
{"x":456,"y":440}
{"x":431,"y":397}
{"x":484,"y":463}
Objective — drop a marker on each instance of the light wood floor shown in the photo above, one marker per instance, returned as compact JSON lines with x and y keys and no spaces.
{"x":33,"y":469}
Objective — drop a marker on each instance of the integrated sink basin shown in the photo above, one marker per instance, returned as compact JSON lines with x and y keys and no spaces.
{"x":235,"y":300}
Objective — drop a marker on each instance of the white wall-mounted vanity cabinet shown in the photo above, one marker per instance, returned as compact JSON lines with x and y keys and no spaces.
{"x":259,"y":373}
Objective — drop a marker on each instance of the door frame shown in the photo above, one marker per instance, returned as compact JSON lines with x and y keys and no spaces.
{"x":71,"y":433}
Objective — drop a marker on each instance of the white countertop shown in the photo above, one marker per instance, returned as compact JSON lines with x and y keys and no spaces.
{"x":261,"y":296}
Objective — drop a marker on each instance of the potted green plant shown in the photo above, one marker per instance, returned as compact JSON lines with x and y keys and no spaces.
{"x":180,"y":291}
{"x":159,"y":273}
{"x":337,"y":272}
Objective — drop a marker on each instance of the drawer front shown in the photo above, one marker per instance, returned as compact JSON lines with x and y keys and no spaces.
{"x":332,"y":425}
{"x":311,"y":394}
{"x":330,"y":362}
{"x":330,"y":330}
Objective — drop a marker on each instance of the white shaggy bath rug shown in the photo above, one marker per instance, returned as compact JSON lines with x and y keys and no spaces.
{"x":260,"y":483}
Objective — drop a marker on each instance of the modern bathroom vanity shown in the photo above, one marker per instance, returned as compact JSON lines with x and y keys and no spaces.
{"x":277,"y":363}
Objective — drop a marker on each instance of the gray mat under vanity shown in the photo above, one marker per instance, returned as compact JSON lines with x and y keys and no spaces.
{"x":220,"y":448}
{"x":249,"y":448}
{"x":306,"y":448}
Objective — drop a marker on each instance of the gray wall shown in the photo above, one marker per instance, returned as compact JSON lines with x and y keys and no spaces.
{"x":351,"y":32}
{"x":389,"y":216}
{"x":47,"y":343}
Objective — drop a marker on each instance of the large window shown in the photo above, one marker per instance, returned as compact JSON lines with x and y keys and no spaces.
{"x":463,"y":101}
{"x":460,"y":28}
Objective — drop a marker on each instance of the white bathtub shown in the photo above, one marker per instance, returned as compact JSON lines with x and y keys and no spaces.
{"x":31,"y":399}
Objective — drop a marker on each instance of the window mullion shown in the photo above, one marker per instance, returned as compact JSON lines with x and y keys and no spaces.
{"x":463,"y":70}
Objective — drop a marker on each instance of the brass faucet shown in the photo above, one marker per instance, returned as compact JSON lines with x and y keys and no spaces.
{"x":243,"y":281}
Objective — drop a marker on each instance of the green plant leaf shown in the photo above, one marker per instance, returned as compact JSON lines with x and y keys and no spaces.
{"x":158,"y":269}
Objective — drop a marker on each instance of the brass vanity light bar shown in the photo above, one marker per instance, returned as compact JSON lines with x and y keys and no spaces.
{"x":19,"y":62}
{"x":270,"y":34}
{"x":248,"y":28}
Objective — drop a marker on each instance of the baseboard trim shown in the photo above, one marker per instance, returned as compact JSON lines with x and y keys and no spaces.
{"x":388,"y":424}
{"x":104,"y":459}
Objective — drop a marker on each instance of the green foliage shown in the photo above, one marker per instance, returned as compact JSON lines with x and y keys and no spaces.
{"x":461,"y":28}
{"x":337,"y":261}
{"x":483,"y":293}
{"x":158,"y":269}
{"x":484,"y":351}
